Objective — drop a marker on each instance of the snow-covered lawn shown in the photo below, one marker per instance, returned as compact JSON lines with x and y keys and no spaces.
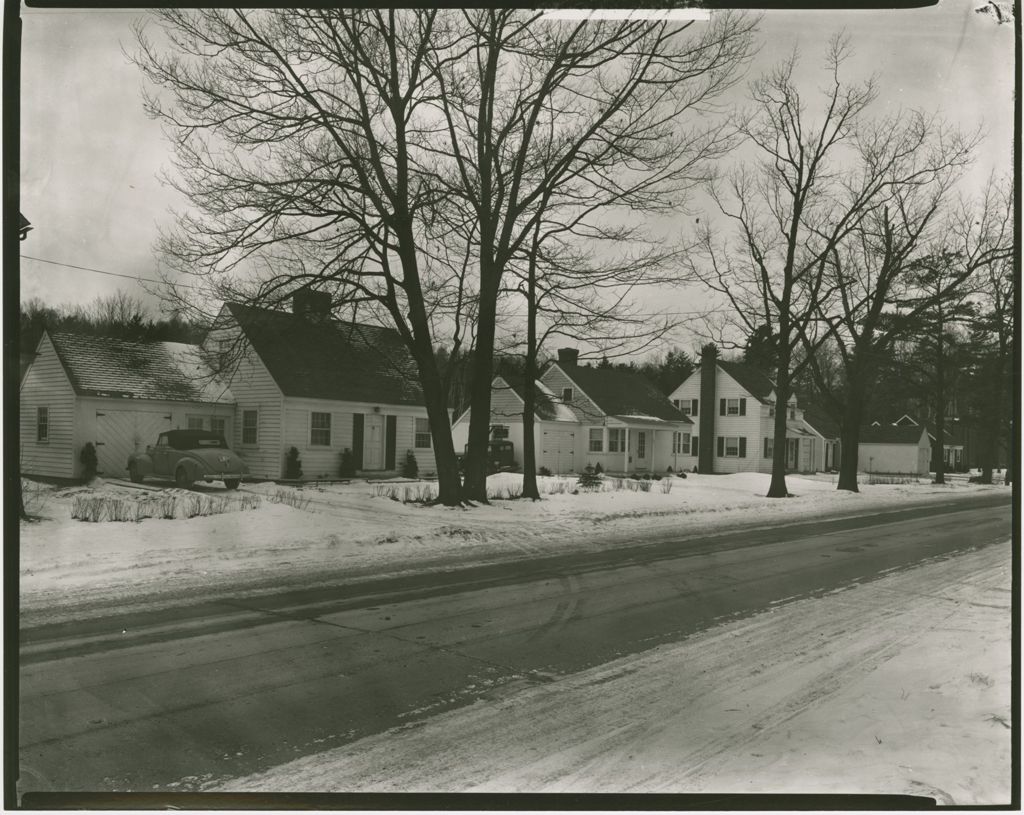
{"x":351,"y":531}
{"x":897,"y":686}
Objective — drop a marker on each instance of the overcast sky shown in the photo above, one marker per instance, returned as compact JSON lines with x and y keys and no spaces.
{"x":89,"y":155}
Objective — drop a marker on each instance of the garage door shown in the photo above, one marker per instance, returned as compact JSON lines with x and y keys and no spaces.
{"x":558,"y":450}
{"x":119,"y":433}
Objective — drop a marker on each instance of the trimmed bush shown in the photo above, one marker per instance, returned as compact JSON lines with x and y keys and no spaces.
{"x":348,"y":464}
{"x":589,"y":479}
{"x":543,"y":471}
{"x":90,"y":463}
{"x":293,"y":464}
{"x":598,"y":468}
{"x":410,"y":467}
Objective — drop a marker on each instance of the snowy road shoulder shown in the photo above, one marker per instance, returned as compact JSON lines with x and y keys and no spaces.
{"x":898,"y":686}
{"x":70,"y":568}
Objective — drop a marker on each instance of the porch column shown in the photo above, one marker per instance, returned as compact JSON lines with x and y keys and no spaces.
{"x":625,"y":450}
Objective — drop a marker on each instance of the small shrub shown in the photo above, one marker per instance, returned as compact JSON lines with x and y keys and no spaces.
{"x":645,"y":486}
{"x":348,"y":464}
{"x":656,"y":477}
{"x":543,"y":471}
{"x":293,"y":464}
{"x":410,"y":467}
{"x":90,"y":463}
{"x":598,"y":468}
{"x":681,"y":474}
{"x":589,"y":480}
{"x":666,"y":486}
{"x":669,"y":468}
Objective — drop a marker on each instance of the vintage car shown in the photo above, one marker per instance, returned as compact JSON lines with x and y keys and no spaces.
{"x":188,"y":456}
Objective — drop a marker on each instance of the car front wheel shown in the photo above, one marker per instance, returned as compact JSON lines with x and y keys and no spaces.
{"x":231,"y":483}
{"x":135,"y":474}
{"x":182,"y":479}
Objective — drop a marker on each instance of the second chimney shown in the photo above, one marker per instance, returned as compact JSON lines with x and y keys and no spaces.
{"x":568,"y":356}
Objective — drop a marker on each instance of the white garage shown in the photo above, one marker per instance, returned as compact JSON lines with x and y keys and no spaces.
{"x":557,"y":448}
{"x":118,"y":395}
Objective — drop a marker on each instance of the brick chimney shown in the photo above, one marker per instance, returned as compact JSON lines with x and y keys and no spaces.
{"x":312,"y":304}
{"x":707,"y":409}
{"x":568,"y":356}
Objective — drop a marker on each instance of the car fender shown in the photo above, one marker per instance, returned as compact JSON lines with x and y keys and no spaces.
{"x":192,"y":466}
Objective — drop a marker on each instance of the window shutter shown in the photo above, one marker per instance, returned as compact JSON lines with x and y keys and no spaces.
{"x":721,"y":446}
{"x":357,"y":440}
{"x":694,"y":446}
{"x":743,"y":409}
{"x":743,"y":446}
{"x":766,"y":447}
{"x":693,"y":410}
{"x":390,"y":440}
{"x":721,"y":407}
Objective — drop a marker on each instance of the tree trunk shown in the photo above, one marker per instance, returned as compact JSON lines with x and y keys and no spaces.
{"x":777,"y":487}
{"x":449,"y":488}
{"x":849,"y":439}
{"x":530,"y":489}
{"x":940,"y":403}
{"x":475,"y":484}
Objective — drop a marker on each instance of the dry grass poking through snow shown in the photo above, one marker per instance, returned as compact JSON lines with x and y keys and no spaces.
{"x":167,"y":505}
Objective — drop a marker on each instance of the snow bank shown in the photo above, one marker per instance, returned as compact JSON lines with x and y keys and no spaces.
{"x":348,"y":531}
{"x":897,"y":686}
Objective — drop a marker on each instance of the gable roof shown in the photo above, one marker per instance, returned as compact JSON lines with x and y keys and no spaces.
{"x":891,"y":434}
{"x":753,"y":380}
{"x":546,"y":405}
{"x":109,"y":366}
{"x":822,"y":422}
{"x":623,"y":393}
{"x":331,"y":359}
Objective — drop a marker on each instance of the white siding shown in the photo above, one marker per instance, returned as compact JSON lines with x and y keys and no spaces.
{"x":585,"y":409}
{"x":748,"y":426}
{"x":47,"y":385}
{"x":893,"y":458}
{"x":322,"y":462}
{"x":254,"y":389}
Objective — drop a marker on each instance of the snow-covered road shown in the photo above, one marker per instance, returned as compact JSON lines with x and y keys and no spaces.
{"x":898,"y":686}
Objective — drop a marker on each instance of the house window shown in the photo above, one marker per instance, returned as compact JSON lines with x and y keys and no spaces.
{"x":250,"y":422}
{"x":688,"y":407}
{"x":771,"y":410}
{"x":422,"y":432}
{"x":616,"y":440}
{"x":732,"y":447}
{"x":566,"y":394}
{"x":218,"y":424}
{"x":681,"y":444}
{"x":732,"y":407}
{"x":320,"y":429}
{"x":769,"y":447}
{"x":596,"y":440}
{"x":42,"y":424}
{"x":498,"y":432}
{"x":195,"y":422}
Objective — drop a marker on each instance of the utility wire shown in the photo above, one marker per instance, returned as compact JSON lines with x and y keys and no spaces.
{"x":140,"y":279}
{"x":137,"y":278}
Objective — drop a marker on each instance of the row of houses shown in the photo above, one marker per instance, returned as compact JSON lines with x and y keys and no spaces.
{"x":323,"y":386}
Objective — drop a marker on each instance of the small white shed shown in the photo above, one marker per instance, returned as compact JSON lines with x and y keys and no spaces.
{"x":892,"y":449}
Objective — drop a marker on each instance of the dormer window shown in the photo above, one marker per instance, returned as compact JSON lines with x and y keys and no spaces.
{"x":566,"y":395}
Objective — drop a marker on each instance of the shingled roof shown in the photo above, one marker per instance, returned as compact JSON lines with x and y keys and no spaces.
{"x":890,"y":434}
{"x":822,"y":422}
{"x":546,"y":404}
{"x":751,"y":379}
{"x":109,"y":366}
{"x":623,"y":393}
{"x":322,"y":358}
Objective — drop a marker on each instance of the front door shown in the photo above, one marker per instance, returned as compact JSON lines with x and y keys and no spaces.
{"x":641,"y":448}
{"x":373,"y":442}
{"x":792,"y":453}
